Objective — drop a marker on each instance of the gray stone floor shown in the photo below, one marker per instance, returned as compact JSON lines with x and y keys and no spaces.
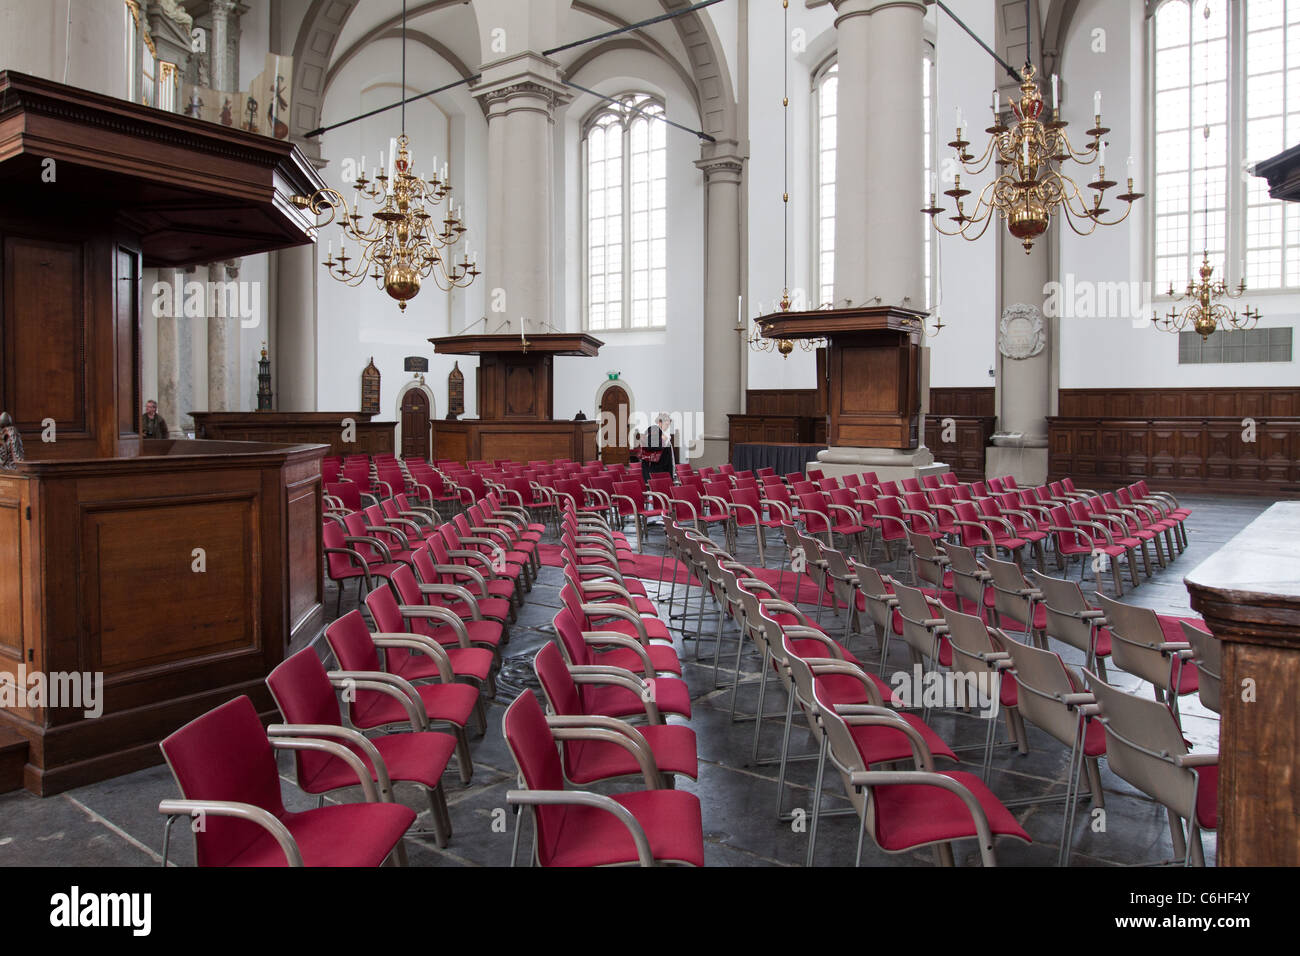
{"x":116,"y":823}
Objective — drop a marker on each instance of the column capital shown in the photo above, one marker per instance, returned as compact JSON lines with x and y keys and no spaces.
{"x":529,"y":76}
{"x":721,"y":162}
{"x":844,"y":9}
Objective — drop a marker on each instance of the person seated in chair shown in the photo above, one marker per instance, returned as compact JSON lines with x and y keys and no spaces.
{"x":658,"y":456}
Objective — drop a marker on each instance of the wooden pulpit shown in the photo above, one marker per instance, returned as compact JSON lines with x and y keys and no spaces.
{"x":176,"y":572}
{"x":516,"y":403}
{"x":873,"y":371}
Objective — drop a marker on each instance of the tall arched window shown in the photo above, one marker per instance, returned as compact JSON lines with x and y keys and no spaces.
{"x":1235,"y":72}
{"x":626,"y":215}
{"x":826,"y":89}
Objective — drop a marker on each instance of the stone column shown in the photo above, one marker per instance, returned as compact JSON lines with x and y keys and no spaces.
{"x":853,"y":136}
{"x":878,"y":189}
{"x":294,"y":344}
{"x":1024,"y":386}
{"x":521,"y":93}
{"x":223,"y":330}
{"x":169,"y":349}
{"x":723,"y":168}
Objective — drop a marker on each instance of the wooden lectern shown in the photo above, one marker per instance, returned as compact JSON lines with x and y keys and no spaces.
{"x":178,"y":571}
{"x":516,"y":403}
{"x":873,"y":370}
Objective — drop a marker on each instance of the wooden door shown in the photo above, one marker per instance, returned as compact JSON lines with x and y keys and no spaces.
{"x":415,"y":424}
{"x":614,"y":403}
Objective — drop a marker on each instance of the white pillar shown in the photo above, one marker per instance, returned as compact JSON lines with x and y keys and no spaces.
{"x":294,"y":348}
{"x":521,"y":95}
{"x":853,"y":137}
{"x":169,"y":349}
{"x":223,"y":332}
{"x":878,"y":186}
{"x":723,"y":169}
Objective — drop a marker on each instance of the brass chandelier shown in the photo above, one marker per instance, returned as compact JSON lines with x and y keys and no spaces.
{"x":1204,"y":314}
{"x":403,"y":243}
{"x":1030,"y":188}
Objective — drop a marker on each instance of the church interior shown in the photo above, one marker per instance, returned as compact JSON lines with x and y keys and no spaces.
{"x":740,"y":433}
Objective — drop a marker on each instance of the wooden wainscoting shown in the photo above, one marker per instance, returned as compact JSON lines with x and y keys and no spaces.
{"x":299,"y":428}
{"x":1180,"y":454}
{"x":977,"y":402}
{"x":964,"y":454}
{"x":1167,"y":403}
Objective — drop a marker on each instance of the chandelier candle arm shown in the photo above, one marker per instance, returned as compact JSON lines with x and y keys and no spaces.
{"x":1030,"y":188}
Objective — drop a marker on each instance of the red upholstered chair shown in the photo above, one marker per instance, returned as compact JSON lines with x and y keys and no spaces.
{"x":1012,"y":526}
{"x":616,"y":691}
{"x":303,"y":692}
{"x":377,"y":698}
{"x":1143,"y":645}
{"x":492,"y":544}
{"x":624,"y":648}
{"x":906,"y":809}
{"x":462,"y":565}
{"x":949,"y":478}
{"x":579,"y":828}
{"x":380,"y":551}
{"x":344,"y":563}
{"x":225,"y":767}
{"x":700,"y":510}
{"x":889,"y":488}
{"x":911,"y":485}
{"x":1105,"y":541}
{"x":589,"y":758}
{"x":931,"y":481}
{"x":893,"y":525}
{"x":412,"y":625}
{"x":1145,"y":746}
{"x":463,"y":594}
{"x":979,"y":531}
{"x":347,"y":492}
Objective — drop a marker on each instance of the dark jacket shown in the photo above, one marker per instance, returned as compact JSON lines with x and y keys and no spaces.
{"x":157,"y":428}
{"x":655,"y":440}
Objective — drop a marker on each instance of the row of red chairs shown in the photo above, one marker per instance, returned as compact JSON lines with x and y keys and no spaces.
{"x":1030,"y":682}
{"x":610,"y":680}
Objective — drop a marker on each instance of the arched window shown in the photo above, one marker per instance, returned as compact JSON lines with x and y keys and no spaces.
{"x":626,"y":215}
{"x":826,"y":89}
{"x":1232,"y":69}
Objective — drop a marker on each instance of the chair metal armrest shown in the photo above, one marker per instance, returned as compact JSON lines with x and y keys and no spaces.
{"x":925,"y":515}
{"x":481,"y":558}
{"x":610,"y":730}
{"x":455,"y":590}
{"x":883,"y":778}
{"x":836,"y":665}
{"x":821,"y":637}
{"x":374,"y":542}
{"x":1110,"y":539}
{"x":784,"y":512}
{"x":787,"y":607}
{"x":434,"y":612}
{"x":385,"y":529}
{"x":1196,"y":760}
{"x":424,"y":645}
{"x":239,"y":811}
{"x":613,"y":638}
{"x":609,"y":587}
{"x":415,"y":528}
{"x":338,"y":751}
{"x":582,"y":798}
{"x":614,"y":610}
{"x":385,"y":683}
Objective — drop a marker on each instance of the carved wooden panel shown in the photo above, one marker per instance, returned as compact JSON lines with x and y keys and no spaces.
{"x":11,"y":591}
{"x":306,"y":586}
{"x":1209,"y":454}
{"x":963,"y":401}
{"x":149,"y":606}
{"x":965,"y":453}
{"x":1180,"y":403}
{"x":521,"y":392}
{"x":43,"y":341}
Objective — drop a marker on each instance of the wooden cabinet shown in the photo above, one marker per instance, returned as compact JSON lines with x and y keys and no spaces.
{"x":297,"y":428}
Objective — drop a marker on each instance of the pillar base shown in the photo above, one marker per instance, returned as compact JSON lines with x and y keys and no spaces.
{"x":1027,"y":463}
{"x":889,"y":464}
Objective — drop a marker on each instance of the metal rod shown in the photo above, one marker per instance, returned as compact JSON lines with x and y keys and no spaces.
{"x":631,"y":26}
{"x":383,"y":109}
{"x":632,"y":109}
{"x":1011,"y":70}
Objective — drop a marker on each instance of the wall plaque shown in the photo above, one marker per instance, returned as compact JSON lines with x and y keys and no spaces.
{"x":370,"y":389}
{"x":1021,"y":333}
{"x":416,"y":363}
